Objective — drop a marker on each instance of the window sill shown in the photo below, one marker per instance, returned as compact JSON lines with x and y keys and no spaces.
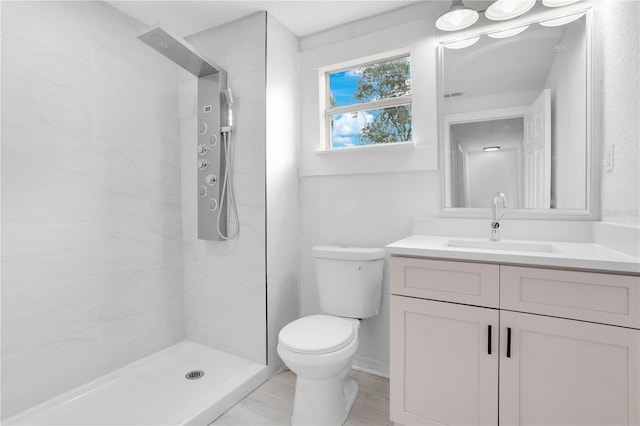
{"x":395,"y":146}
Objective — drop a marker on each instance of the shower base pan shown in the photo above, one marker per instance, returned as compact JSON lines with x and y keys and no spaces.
{"x":155,"y":391}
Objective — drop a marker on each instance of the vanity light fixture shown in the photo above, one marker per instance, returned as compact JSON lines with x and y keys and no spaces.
{"x":508,"y":33}
{"x":561,"y":21}
{"x":457,"y":17}
{"x":558,"y":3}
{"x":491,"y":148}
{"x":462,"y":43}
{"x":501,"y":10}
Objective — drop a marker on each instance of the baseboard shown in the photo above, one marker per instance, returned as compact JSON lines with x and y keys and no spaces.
{"x":275,"y":367}
{"x":370,"y":370}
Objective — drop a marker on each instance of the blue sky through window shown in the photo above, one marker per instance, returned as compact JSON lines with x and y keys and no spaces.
{"x":347,"y":128}
{"x":343,"y":85}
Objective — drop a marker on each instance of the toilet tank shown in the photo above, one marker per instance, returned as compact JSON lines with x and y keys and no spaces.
{"x":349,"y":280}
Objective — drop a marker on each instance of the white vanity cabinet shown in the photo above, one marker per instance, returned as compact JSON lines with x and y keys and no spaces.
{"x":538,"y":347}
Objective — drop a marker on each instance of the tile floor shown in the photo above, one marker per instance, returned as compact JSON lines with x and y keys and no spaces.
{"x":272,"y":403}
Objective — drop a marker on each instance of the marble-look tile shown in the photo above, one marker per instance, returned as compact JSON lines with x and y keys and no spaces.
{"x":41,"y":194}
{"x":225,"y":281}
{"x":140,"y":335}
{"x":125,"y":294}
{"x":282,"y":184}
{"x":134,"y":245}
{"x":91,"y":190}
{"x":65,"y":85}
{"x":34,"y":254}
{"x":44,"y":313}
{"x":39,"y":134}
{"x":54,"y":25}
{"x":37,"y":373}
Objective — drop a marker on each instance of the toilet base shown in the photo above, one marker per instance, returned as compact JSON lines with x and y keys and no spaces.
{"x":324,"y":402}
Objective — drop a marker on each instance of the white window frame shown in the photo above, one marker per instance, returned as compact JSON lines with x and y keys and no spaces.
{"x":364,"y":106}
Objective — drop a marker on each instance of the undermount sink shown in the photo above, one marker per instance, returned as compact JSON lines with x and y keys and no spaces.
{"x":504,"y":245}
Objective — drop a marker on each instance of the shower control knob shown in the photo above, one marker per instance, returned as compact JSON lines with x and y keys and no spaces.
{"x":203,"y":149}
{"x":202,"y":191}
{"x":203,"y":164}
{"x":211,"y":180}
{"x":203,"y":128}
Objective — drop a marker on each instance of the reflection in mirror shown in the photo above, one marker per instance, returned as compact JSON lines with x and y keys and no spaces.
{"x":526,"y":96}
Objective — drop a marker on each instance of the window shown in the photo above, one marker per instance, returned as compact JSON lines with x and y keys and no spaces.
{"x":369,"y":104}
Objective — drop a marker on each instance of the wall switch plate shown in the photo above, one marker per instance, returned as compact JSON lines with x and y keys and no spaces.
{"x":609,"y":156}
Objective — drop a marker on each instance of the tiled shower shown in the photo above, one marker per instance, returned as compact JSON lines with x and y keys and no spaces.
{"x":100,"y":261}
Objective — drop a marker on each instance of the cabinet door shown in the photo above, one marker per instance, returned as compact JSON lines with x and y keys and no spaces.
{"x":441,"y":370}
{"x":566,"y":372}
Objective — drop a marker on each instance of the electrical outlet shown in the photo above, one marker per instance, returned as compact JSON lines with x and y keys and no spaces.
{"x":609,"y":157}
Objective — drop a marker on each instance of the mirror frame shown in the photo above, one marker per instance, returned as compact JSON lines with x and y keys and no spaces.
{"x":591,"y":210}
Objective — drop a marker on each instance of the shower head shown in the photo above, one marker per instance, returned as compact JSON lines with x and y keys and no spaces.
{"x":227,"y":97}
{"x":179,"y":51}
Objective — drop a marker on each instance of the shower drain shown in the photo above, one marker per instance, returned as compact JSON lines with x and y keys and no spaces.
{"x":194,"y":375}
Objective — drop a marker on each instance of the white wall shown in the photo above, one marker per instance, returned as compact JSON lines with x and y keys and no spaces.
{"x":283,"y":304}
{"x":363,"y":208}
{"x":91,"y":232}
{"x":225,"y":294}
{"x":372,"y":209}
{"x":618,"y":60}
{"x":415,"y":35}
{"x":367,"y":210}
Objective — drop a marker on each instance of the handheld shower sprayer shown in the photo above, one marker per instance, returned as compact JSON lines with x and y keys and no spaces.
{"x":227,"y":185}
{"x":227,"y":100}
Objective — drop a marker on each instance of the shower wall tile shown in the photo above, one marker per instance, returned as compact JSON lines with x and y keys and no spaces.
{"x":66,"y":85}
{"x":36,"y":254}
{"x":40,"y":134}
{"x":47,"y":312}
{"x":46,"y":195}
{"x":126,"y":294}
{"x":140,"y":335}
{"x":64,"y":27}
{"x":91,"y":218}
{"x":282,"y":184}
{"x":225,"y":304}
{"x":39,"y":372}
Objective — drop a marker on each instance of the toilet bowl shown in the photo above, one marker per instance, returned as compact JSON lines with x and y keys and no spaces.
{"x":320,"y":349}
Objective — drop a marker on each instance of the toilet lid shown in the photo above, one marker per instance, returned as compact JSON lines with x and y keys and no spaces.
{"x":317,"y":334}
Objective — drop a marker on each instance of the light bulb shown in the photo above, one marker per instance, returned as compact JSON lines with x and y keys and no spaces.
{"x":501,"y":10}
{"x":508,"y":6}
{"x":456,"y":18}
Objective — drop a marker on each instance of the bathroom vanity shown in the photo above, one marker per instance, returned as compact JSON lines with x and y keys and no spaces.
{"x":514,"y":333}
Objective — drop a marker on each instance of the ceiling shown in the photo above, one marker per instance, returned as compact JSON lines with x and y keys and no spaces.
{"x":186,"y":17}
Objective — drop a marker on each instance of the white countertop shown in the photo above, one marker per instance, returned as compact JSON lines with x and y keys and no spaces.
{"x":577,"y":255}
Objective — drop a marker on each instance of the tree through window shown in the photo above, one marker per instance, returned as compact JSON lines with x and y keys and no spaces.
{"x":370,"y":104}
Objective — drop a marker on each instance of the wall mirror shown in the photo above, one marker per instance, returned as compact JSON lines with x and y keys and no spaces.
{"x":514,"y":116}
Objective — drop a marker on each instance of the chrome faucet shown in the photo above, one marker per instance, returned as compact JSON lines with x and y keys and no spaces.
{"x":495,"y":220}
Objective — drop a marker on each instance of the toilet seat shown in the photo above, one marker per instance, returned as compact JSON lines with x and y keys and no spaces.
{"x":317,"y":334}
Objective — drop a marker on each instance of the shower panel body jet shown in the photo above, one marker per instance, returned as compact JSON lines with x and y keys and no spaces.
{"x":211,"y":153}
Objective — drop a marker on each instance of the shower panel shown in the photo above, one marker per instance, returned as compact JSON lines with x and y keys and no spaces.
{"x":212,"y":83}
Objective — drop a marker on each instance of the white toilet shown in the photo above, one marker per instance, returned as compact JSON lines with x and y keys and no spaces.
{"x":320,"y":348}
